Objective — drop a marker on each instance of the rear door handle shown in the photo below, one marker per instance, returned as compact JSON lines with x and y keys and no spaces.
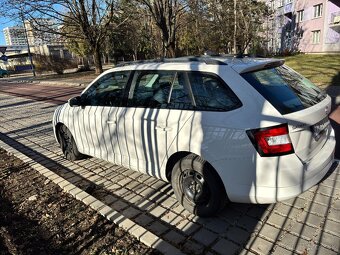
{"x":163,"y":128}
{"x":111,"y":122}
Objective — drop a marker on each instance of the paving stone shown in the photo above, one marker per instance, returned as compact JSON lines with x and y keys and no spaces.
{"x":310,"y":219}
{"x":143,"y":219}
{"x":205,"y":237}
{"x":303,"y":230}
{"x":174,"y":237}
{"x":132,"y":197}
{"x":245,"y":252}
{"x":131,"y":212}
{"x":224,"y":246}
{"x":334,"y":215}
{"x":322,"y":199}
{"x":109,"y":199}
{"x":260,"y":246}
{"x":119,"y":205}
{"x":192,"y":247}
{"x":281,"y":251}
{"x":294,"y":243}
{"x":329,"y":241}
{"x":279,"y":221}
{"x":336,"y":205}
{"x":288,"y":210}
{"x":332,"y":227}
{"x":319,"y":250}
{"x":318,"y":209}
{"x":158,"y":211}
{"x":296,"y":202}
{"x":218,"y":226}
{"x":271,"y":233}
{"x":158,"y":228}
{"x":171,"y":218}
{"x":188,"y":227}
{"x":238,"y":235}
{"x":249,"y":224}
{"x":257,"y":212}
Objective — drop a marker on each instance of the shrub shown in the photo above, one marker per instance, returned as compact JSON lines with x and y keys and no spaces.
{"x":56,"y":64}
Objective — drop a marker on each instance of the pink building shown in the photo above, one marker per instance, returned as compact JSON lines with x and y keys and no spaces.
{"x":311,"y":26}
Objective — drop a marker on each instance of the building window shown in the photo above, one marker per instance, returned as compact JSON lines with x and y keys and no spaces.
{"x":299,"y":16}
{"x":289,"y":1}
{"x":316,"y":36}
{"x":281,"y":3}
{"x":317,"y":10}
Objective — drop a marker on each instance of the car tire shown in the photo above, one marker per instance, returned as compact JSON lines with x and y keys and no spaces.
{"x":68,"y":145}
{"x":198,"y":187}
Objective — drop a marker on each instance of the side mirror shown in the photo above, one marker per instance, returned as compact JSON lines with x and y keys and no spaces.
{"x":75,"y":101}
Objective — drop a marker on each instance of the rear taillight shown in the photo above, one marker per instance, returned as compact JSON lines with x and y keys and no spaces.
{"x":272,"y":141}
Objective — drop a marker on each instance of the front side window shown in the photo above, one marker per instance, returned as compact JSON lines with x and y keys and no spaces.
{"x":107,"y":91}
{"x":317,"y":10}
{"x":285,"y":89}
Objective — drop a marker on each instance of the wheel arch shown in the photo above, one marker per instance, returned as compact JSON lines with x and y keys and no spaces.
{"x":57,"y":128}
{"x":174,"y":158}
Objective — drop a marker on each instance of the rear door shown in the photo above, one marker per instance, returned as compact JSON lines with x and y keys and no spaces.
{"x":158,"y":106}
{"x":304,"y":106}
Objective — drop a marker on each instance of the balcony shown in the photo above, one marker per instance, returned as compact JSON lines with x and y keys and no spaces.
{"x":335,"y":21}
{"x":288,"y":8}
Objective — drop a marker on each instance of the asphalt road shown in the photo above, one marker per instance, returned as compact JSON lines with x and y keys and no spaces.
{"x":60,"y":94}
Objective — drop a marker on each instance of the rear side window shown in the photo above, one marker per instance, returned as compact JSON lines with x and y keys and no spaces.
{"x":285,"y":89}
{"x":159,"y":89}
{"x":181,"y":90}
{"x":211,"y":93}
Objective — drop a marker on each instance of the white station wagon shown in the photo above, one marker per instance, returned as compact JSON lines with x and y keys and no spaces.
{"x":218,"y":128}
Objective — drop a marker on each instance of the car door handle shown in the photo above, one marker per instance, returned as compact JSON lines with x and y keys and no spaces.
{"x":162,"y":128}
{"x":111,"y":122}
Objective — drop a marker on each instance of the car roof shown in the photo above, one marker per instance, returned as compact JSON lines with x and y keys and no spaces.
{"x":239,"y":64}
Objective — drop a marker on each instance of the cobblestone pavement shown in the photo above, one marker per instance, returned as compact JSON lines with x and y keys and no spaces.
{"x":308,"y":224}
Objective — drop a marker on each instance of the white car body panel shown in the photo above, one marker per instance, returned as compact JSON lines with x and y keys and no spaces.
{"x":143,"y":139}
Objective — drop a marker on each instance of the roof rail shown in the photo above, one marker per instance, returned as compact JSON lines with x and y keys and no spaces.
{"x":202,"y":59}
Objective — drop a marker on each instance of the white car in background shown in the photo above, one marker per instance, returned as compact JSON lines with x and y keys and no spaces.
{"x":218,"y":128}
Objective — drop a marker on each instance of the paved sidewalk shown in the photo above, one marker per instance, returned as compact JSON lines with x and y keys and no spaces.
{"x":309,"y":224}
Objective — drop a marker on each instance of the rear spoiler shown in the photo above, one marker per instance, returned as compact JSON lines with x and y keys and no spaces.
{"x":264,"y":65}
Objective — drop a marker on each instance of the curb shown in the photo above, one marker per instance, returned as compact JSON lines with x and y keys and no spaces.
{"x":143,"y":235}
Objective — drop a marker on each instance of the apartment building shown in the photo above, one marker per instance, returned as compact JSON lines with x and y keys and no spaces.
{"x":310,"y":26}
{"x":38,"y":32}
{"x":14,"y":36}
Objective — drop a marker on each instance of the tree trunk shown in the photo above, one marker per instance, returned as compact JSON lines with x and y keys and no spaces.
{"x":171,"y":52}
{"x":97,"y":57}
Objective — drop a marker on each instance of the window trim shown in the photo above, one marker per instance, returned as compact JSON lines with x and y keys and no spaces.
{"x":316,"y":32}
{"x":315,"y":8}
{"x":124,"y":95}
{"x":187,"y":88}
{"x":300,"y":16}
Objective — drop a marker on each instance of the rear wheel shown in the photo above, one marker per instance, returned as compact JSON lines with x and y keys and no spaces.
{"x":68,"y":145}
{"x":197,"y":186}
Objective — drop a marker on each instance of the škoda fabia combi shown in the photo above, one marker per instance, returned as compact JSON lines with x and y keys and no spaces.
{"x":218,"y":128}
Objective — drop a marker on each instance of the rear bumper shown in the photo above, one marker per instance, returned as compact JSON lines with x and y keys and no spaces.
{"x":302,"y":176}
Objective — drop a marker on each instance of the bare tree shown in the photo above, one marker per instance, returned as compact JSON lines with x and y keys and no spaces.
{"x":166,"y":14}
{"x":87,"y":20}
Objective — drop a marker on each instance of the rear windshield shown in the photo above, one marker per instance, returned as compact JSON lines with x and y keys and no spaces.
{"x":285,"y":89}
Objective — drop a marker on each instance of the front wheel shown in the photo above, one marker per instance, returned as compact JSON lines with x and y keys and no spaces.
{"x":68,"y":145}
{"x":198,"y":187}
